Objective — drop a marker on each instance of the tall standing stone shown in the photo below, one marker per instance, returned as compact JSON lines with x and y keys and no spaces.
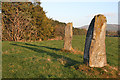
{"x":68,"y":37}
{"x":95,"y":51}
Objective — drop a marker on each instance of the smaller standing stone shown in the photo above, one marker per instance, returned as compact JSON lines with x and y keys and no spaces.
{"x":68,"y":37}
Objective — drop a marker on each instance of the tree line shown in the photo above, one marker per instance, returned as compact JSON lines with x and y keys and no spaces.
{"x":77,"y":31}
{"x":28,"y":22}
{"x":112,"y":33}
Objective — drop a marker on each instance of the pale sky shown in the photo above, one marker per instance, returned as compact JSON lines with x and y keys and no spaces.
{"x":81,"y":13}
{"x":77,"y":0}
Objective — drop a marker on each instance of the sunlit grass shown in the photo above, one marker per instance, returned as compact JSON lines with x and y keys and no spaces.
{"x":46,"y":60}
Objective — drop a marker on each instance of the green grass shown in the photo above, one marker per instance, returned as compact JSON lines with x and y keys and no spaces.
{"x":46,"y":60}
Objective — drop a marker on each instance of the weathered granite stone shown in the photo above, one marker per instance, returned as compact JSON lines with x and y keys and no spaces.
{"x":95,"y":51}
{"x":68,"y":37}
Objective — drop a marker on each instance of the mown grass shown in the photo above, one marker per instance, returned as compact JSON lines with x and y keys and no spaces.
{"x":46,"y":60}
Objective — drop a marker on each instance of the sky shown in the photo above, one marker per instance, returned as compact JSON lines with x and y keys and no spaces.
{"x":80,"y":13}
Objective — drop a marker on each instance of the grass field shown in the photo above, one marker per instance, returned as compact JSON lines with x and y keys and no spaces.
{"x":46,"y":60}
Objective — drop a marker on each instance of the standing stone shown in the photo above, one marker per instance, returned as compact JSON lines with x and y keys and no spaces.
{"x":95,"y":51}
{"x":68,"y":37}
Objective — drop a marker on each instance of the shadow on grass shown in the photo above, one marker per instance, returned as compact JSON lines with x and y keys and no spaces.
{"x":56,"y":49}
{"x":56,"y":56}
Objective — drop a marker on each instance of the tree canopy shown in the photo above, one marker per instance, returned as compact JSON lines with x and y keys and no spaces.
{"x":27,"y":21}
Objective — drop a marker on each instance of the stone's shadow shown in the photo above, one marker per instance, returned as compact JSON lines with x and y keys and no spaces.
{"x":31,"y":44}
{"x":56,"y":49}
{"x":69,"y":63}
{"x":31,"y":48}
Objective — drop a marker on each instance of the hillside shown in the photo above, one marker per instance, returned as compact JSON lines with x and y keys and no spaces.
{"x":46,"y":60}
{"x":110,"y":27}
